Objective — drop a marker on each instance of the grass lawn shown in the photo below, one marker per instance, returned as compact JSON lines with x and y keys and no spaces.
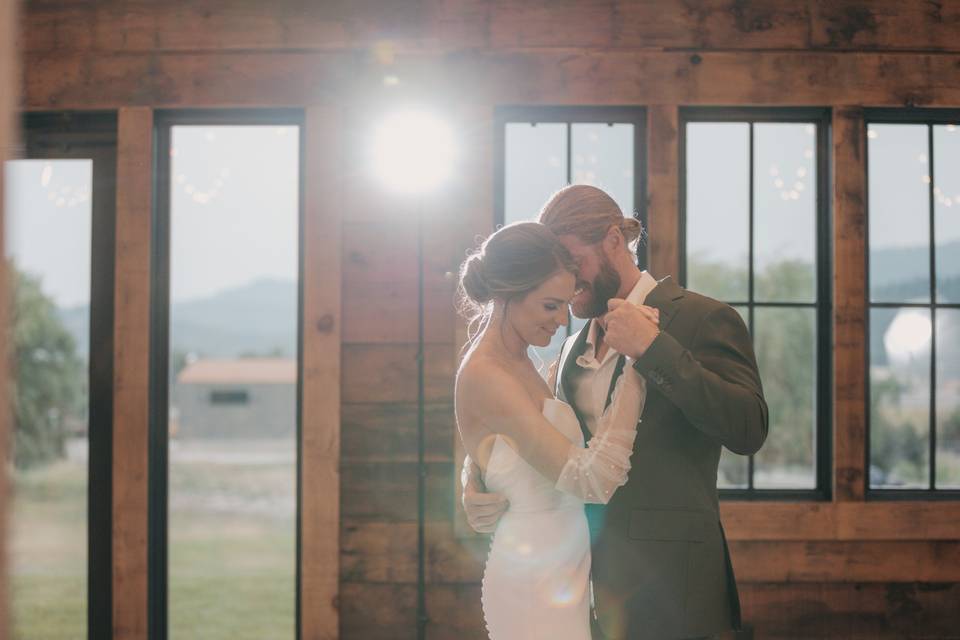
{"x":232,"y":551}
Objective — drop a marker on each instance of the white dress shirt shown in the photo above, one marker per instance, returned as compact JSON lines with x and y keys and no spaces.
{"x":591,"y":383}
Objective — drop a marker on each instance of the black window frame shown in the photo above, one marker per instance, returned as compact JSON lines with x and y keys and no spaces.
{"x":928,"y":117}
{"x":158,"y":453}
{"x":569,"y":115}
{"x":821,"y":117}
{"x":92,"y":135}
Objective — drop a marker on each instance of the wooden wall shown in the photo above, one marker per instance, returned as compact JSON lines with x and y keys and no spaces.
{"x":9,"y":74}
{"x":847,"y":568}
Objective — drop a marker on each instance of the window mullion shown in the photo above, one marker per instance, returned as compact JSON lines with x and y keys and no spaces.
{"x":750,"y":284}
{"x":933,"y":313}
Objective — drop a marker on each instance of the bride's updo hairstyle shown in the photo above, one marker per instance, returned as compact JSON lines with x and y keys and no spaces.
{"x":511,"y":262}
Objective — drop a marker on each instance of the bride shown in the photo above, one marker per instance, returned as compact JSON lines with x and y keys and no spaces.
{"x":529,"y":445}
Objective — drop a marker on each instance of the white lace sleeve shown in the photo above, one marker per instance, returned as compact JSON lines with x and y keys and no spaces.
{"x":594,"y":472}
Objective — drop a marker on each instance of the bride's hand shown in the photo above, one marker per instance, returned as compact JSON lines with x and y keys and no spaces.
{"x":483,"y":509}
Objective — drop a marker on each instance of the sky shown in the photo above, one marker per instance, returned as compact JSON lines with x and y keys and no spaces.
{"x":234,"y":214}
{"x":235,"y":196}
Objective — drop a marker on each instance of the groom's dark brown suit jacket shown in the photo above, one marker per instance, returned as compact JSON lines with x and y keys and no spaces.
{"x":661,"y":568}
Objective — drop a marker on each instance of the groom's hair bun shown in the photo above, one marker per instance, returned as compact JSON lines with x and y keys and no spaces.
{"x":588,"y":213}
{"x":510,"y":263}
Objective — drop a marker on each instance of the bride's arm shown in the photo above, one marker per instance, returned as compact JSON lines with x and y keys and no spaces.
{"x":592,"y":473}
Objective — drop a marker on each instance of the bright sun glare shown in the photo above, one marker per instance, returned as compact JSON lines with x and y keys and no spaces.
{"x":413,"y":151}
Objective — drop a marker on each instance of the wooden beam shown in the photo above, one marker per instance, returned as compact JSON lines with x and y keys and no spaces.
{"x":9,"y":94}
{"x":407,"y":25}
{"x":321,"y":376}
{"x":850,"y":321}
{"x":131,"y":371}
{"x":891,"y":520}
{"x":567,"y":76}
{"x":663,"y":188}
{"x":845,"y":561}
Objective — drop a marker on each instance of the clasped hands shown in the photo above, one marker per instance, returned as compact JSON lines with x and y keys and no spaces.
{"x":629,"y":328}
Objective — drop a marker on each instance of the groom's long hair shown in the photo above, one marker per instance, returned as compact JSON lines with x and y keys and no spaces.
{"x":588,"y":213}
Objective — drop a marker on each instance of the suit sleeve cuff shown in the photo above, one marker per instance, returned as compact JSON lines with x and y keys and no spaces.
{"x":659,"y":361}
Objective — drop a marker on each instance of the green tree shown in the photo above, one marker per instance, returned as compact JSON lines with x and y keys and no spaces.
{"x":785,"y":345}
{"x":48,"y":388}
{"x":898,"y":448}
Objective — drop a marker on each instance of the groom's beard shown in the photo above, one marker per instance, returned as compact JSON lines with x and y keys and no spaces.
{"x":604,"y":286}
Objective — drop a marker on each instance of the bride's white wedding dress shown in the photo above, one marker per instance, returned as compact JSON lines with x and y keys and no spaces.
{"x":537,"y":579}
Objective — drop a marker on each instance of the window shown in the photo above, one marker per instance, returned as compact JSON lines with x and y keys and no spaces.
{"x":60,"y":220}
{"x":228,"y":221}
{"x":913,"y":161}
{"x":229,"y":397}
{"x":543,"y":149}
{"x":756,"y":236}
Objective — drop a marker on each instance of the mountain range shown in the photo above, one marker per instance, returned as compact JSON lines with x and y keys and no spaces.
{"x":260,"y":318}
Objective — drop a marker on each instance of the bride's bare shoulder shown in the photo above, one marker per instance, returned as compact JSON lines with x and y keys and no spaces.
{"x":479,"y":373}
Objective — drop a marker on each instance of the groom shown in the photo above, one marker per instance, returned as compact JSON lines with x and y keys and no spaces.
{"x":660,"y":563}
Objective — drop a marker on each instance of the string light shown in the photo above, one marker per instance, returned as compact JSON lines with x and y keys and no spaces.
{"x":206,"y":196}
{"x":68,"y":196}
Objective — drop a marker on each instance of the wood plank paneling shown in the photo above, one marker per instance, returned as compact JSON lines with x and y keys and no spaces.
{"x":388,"y":373}
{"x":663,"y":185}
{"x":9,"y":94}
{"x":87,"y":81}
{"x":853,"y":611}
{"x":131,"y":371}
{"x":779,"y":520}
{"x":321,"y":377}
{"x":385,"y":552}
{"x":850,"y":343}
{"x":387,"y":491}
{"x":841,"y":520}
{"x":380,"y":281}
{"x":845,"y":561}
{"x":862,"y":611}
{"x":898,"y":520}
{"x":388,"y":431}
{"x":381,"y":611}
{"x":388,"y":612}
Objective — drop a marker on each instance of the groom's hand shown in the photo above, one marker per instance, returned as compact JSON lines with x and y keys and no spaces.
{"x":630,"y":328}
{"x":483,"y":509}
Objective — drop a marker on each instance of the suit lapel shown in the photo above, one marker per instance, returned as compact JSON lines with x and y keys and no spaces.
{"x":568,"y":361}
{"x":666,"y":297}
{"x":565,"y":375}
